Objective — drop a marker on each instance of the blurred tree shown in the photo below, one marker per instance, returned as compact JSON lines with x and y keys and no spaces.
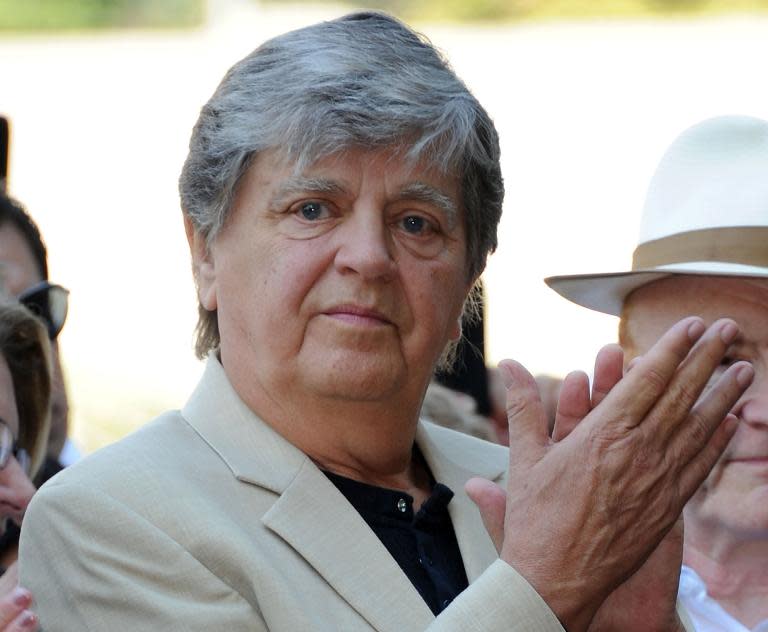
{"x":36,"y":15}
{"x":492,"y":10}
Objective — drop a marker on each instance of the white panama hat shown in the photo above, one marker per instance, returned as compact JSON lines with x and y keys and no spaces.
{"x":706,"y":213}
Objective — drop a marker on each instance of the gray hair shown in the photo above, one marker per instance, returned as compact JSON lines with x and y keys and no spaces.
{"x":364,"y":80}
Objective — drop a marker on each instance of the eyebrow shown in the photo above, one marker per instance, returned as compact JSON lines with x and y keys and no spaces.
{"x":418,"y":191}
{"x":301,"y":184}
{"x":430,"y":195}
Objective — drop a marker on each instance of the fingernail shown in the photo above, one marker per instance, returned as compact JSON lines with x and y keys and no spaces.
{"x":728,"y":333}
{"x":731,"y":423}
{"x":506,"y":375}
{"x":695,"y":330}
{"x":28,"y":620}
{"x":22,"y":597}
{"x":745,"y":375}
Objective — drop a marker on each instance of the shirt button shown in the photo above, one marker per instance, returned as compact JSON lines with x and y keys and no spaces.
{"x":446,"y":603}
{"x":402,"y":506}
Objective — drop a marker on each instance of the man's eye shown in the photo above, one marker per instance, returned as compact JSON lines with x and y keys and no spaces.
{"x":416,"y":225}
{"x":312,"y":211}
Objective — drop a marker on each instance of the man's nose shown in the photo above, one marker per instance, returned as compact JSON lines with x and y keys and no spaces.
{"x":753,"y":405}
{"x":365,"y":246}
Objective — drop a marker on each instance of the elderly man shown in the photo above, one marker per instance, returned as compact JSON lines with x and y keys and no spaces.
{"x":341,"y":194}
{"x":704,"y":251}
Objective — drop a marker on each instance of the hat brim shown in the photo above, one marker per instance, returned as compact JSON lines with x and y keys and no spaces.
{"x":606,"y":292}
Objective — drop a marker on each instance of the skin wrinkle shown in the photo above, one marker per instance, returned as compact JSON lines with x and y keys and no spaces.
{"x":301,"y":185}
{"x":430,"y":195}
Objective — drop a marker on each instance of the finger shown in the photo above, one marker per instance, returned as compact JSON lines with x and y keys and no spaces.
{"x":631,"y":399}
{"x":698,"y":469}
{"x":672,"y":409}
{"x":13,"y":604}
{"x":491,"y":500}
{"x":573,"y":404}
{"x":609,"y":366}
{"x":706,"y":420}
{"x":525,"y":412}
{"x":26,"y":622}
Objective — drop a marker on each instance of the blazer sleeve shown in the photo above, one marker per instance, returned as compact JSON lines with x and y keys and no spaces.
{"x":500,"y":599}
{"x":517,"y":607}
{"x":94,"y":564}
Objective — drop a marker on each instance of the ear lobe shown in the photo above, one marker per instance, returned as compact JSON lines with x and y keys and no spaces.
{"x":203,"y":266}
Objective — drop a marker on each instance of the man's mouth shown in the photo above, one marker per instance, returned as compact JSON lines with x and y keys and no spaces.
{"x":358,"y":315}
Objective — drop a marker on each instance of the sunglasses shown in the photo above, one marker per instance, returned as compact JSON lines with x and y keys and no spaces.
{"x":9,"y":447}
{"x":49,"y":302}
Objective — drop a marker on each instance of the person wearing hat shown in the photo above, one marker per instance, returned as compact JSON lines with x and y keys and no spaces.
{"x":703,"y":250}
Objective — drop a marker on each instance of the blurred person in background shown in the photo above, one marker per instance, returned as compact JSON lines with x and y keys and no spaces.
{"x":704,"y":250}
{"x":24,"y":275}
{"x":25,"y":388}
{"x":456,"y":410}
{"x":340,"y":197}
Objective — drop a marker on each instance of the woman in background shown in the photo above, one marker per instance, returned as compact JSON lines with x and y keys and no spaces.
{"x":25,"y":388}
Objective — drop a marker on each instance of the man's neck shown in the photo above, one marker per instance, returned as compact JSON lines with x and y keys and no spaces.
{"x":735,"y":574}
{"x":368,"y":441}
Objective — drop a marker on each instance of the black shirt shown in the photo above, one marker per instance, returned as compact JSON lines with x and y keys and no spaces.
{"x":423,"y":544}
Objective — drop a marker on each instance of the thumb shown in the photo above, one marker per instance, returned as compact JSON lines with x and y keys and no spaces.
{"x":491,"y":500}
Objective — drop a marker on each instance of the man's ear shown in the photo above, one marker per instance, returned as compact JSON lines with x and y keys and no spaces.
{"x":202,"y":265}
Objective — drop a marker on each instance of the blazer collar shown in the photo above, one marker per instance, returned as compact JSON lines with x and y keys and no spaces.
{"x":251,"y":449}
{"x":335,"y":541}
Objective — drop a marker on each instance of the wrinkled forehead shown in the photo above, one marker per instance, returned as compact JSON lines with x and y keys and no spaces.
{"x":392,"y":167}
{"x":403,"y":155}
{"x":651,"y":309}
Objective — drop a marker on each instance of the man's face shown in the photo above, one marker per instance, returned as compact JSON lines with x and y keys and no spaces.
{"x":19,"y":271}
{"x":735,"y":495}
{"x":345,"y":281}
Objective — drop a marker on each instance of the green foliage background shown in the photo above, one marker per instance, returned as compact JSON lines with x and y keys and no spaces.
{"x":514,"y":10}
{"x":50,"y":15}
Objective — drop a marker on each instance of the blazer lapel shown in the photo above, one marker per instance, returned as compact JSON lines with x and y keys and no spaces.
{"x":346,"y":552}
{"x":334,"y":539}
{"x":453,"y":460}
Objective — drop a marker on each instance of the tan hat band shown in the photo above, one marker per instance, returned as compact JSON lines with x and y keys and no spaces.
{"x":745,"y":245}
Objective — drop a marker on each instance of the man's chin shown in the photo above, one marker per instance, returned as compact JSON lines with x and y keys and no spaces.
{"x":361,"y":380}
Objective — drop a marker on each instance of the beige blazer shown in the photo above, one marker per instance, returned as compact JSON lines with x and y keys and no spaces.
{"x":207,"y":519}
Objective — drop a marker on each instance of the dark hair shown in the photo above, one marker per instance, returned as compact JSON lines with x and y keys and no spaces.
{"x":13,"y":213}
{"x":25,"y":347}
